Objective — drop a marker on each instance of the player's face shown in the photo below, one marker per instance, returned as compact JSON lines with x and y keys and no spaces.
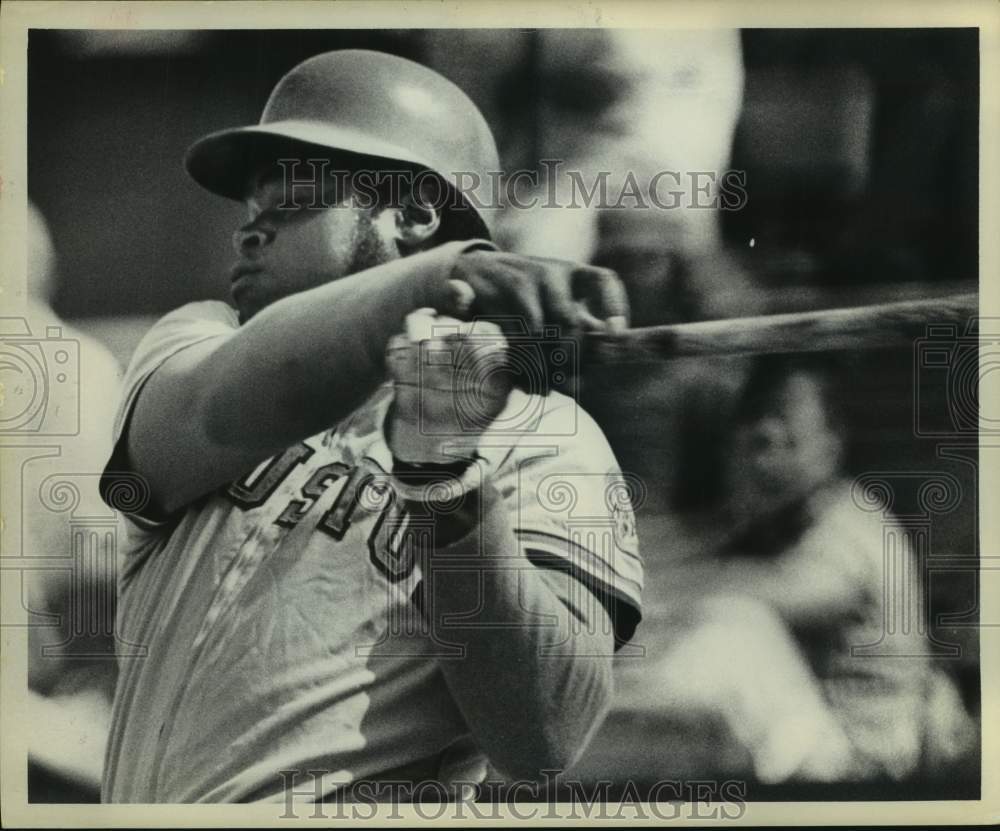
{"x":293,"y":242}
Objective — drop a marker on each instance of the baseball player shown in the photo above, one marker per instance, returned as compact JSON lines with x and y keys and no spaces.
{"x":367,"y":555}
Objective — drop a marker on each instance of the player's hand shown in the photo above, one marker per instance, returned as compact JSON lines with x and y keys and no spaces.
{"x":450,"y":384}
{"x":534,"y":292}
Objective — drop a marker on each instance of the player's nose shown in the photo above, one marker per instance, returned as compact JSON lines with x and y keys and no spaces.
{"x":249,"y":240}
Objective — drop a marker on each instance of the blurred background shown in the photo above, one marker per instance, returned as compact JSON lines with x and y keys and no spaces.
{"x":860,"y":155}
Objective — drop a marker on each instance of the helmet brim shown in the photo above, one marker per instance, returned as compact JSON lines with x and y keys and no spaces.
{"x":225,"y":162}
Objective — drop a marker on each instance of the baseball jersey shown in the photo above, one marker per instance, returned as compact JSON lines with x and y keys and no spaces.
{"x":276,"y":616}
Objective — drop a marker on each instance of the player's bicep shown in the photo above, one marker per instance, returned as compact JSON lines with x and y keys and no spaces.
{"x":165,"y":440}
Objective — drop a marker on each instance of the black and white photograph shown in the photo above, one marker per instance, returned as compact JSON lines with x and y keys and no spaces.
{"x":415,"y":413}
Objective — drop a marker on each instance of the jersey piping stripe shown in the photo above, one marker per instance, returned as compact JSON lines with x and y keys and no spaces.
{"x":557,"y":538}
{"x":625,"y":611}
{"x":630,"y":589}
{"x":568,"y":548}
{"x":584,"y":559}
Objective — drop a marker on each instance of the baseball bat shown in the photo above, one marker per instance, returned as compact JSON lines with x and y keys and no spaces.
{"x":864,"y":327}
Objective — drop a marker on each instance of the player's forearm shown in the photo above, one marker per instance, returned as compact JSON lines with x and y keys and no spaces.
{"x":310,"y":359}
{"x":533,"y":689}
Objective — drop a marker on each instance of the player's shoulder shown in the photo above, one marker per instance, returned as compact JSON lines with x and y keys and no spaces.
{"x":553,"y":424}
{"x":563,"y":414}
{"x":192,"y":321}
{"x":184,"y":326}
{"x":209,"y":311}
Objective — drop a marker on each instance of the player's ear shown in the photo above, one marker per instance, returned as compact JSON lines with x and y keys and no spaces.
{"x":417,"y":220}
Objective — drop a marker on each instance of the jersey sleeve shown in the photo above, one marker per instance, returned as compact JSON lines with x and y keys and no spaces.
{"x":180,"y":329}
{"x":574,"y":509}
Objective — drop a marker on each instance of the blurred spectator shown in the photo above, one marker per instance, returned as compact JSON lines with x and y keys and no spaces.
{"x":71,"y":664}
{"x":603,"y":113}
{"x":627,"y":105}
{"x":668,"y":279}
{"x":800,"y":582}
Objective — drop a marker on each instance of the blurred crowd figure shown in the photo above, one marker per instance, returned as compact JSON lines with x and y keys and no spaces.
{"x":799,"y":583}
{"x":620,"y":104}
{"x":746,"y":457}
{"x":68,"y":593}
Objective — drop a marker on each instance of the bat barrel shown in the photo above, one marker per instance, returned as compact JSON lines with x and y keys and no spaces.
{"x":882,"y":326}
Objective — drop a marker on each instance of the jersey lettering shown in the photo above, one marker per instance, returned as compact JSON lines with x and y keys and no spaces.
{"x":395,"y":537}
{"x":256,"y":488}
{"x":361,"y":486}
{"x":311,"y":491}
{"x":395,"y":541}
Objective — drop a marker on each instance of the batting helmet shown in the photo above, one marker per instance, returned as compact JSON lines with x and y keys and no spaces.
{"x":362,"y":102}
